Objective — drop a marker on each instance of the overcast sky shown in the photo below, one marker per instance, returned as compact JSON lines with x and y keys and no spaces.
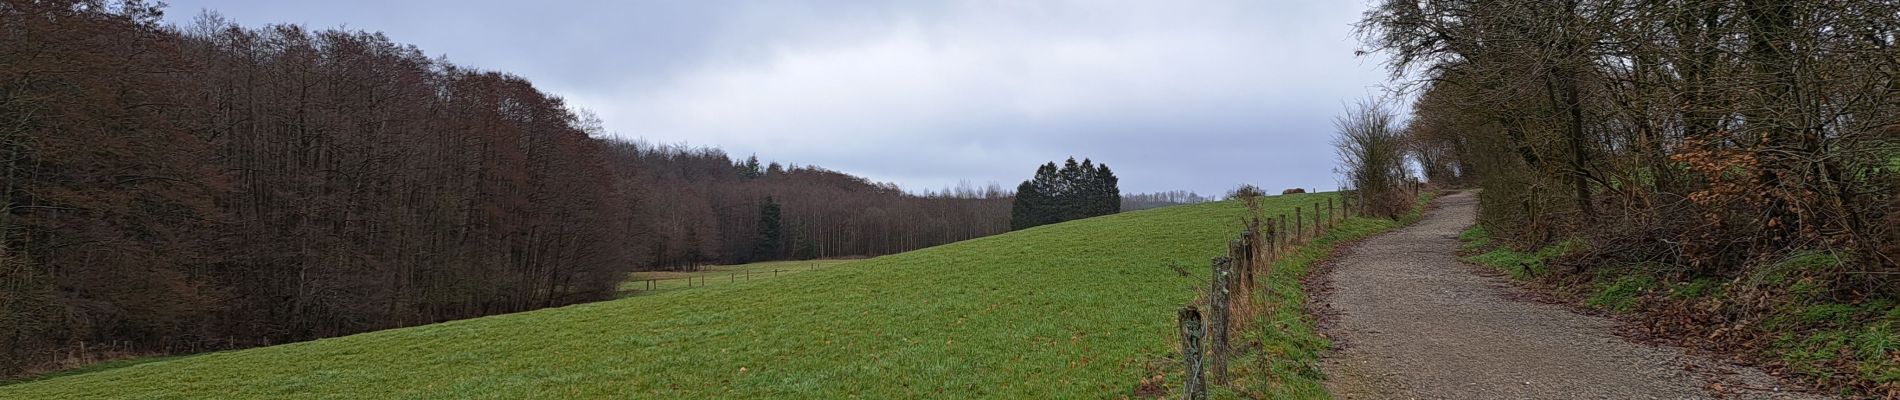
{"x":1191,"y":95}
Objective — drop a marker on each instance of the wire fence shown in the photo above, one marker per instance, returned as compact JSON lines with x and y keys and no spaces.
{"x":1231,"y":299}
{"x":712,"y":276}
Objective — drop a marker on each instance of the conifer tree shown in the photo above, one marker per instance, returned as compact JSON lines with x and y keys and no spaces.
{"x":1073,"y":191}
{"x":1108,"y":191}
{"x":771,"y":232}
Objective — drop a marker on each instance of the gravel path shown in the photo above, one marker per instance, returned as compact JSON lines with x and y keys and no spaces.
{"x":1411,"y":321}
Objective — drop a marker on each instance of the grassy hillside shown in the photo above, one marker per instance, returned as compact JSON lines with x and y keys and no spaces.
{"x":1075,"y":310}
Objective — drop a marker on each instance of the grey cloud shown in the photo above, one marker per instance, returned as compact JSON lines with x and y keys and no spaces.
{"x":1174,"y":95}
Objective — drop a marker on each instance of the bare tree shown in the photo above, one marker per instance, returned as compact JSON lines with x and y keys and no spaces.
{"x":1372,"y":154}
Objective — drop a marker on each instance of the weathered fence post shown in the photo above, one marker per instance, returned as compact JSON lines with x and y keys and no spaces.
{"x":1299,"y":226}
{"x":1219,"y":303}
{"x":1332,"y":220}
{"x":1245,"y":252}
{"x":1195,"y":385}
{"x":1263,"y":269}
{"x":1273,"y":250}
{"x":1244,"y":266}
{"x":1259,"y":241}
{"x":1317,"y":224}
{"x":1285,"y":239}
{"x":1361,"y":201}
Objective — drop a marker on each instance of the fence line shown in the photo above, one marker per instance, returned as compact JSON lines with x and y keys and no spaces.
{"x":1231,"y":301}
{"x":655,"y":284}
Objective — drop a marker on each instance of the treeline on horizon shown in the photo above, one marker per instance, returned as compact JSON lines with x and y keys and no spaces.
{"x":1143,"y":201}
{"x":213,"y":186}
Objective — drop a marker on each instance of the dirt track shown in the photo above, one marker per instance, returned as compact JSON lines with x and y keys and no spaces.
{"x":1411,"y":321}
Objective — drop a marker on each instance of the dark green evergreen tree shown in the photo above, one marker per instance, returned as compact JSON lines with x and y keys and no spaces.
{"x":750,"y":169}
{"x":1075,"y":190}
{"x":1108,"y":191}
{"x":1028,"y":202}
{"x":771,"y":232}
{"x":1069,"y":180}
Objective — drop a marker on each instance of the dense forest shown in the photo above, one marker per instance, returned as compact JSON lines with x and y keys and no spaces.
{"x":213,"y":186}
{"x":1755,"y":143}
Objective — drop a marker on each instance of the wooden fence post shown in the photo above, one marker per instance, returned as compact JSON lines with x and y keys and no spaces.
{"x":1244,"y":266}
{"x":1316,"y":221}
{"x":1285,"y":239}
{"x":1273,"y":250}
{"x":1263,"y":270}
{"x":1299,"y":226}
{"x":1219,"y":304}
{"x":1195,"y":385}
{"x":1260,"y":239}
{"x":1332,"y":220}
{"x":1345,"y":204}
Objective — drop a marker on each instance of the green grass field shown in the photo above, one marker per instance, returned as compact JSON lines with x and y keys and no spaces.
{"x":1076,"y":310}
